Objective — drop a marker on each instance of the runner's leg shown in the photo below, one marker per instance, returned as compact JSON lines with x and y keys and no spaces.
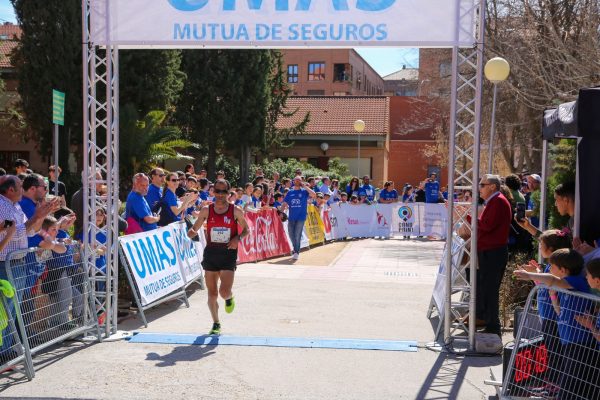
{"x":211,"y":279}
{"x":227,"y":278}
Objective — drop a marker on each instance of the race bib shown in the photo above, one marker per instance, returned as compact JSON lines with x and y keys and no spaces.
{"x":220,"y":235}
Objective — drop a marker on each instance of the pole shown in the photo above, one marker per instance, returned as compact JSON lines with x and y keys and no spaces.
{"x":492,"y":133}
{"x":358,"y":164}
{"x":56,"y":159}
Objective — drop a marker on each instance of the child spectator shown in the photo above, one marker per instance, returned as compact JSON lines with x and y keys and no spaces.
{"x":579,"y":348}
{"x":550,"y":241}
{"x":277,"y":200}
{"x":593,"y":278}
{"x":101,"y":250}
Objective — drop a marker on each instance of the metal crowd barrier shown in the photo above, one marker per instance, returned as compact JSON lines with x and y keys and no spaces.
{"x":54,"y":299}
{"x":13,"y":356}
{"x":555,"y":358}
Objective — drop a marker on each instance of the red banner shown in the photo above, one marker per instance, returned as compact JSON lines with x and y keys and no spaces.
{"x":267,"y":237}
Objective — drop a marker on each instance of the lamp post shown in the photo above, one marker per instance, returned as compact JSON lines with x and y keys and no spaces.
{"x":496,"y":70}
{"x":359,"y":126}
{"x":324,"y":147}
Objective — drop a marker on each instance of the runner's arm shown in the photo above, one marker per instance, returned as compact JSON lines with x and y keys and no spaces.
{"x":199,"y":222}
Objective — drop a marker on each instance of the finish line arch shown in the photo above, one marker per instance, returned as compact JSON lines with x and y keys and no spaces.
{"x":110,"y":25}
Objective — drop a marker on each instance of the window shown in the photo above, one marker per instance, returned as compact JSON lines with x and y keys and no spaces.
{"x":315,"y":92}
{"x":445,"y":69}
{"x":316,"y":71}
{"x":292,"y":73}
{"x":342,"y":73}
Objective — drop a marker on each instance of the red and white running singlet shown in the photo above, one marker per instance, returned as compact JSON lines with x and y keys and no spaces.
{"x":220,"y":228}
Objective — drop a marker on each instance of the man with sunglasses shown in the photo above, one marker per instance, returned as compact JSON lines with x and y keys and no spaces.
{"x":493,"y":227}
{"x":220,"y":254}
{"x":155,"y":191}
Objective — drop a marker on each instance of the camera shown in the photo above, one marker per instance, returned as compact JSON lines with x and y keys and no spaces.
{"x":520,"y":211}
{"x":8,"y":223}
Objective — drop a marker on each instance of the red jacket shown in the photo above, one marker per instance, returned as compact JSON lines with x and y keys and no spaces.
{"x":493,"y":226}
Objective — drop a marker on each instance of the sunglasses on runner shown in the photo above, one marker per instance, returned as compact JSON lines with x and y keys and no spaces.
{"x":221,"y":191}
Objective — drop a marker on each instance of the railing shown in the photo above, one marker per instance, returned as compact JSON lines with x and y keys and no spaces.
{"x":556,"y":354}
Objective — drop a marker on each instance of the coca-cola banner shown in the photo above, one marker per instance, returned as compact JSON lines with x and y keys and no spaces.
{"x":267,"y":237}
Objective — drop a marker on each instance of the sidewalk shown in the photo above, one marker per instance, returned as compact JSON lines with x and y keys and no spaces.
{"x":367,"y":289}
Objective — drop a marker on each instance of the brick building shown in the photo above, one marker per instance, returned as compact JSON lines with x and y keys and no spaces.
{"x":332,"y":122}
{"x":330,"y":72}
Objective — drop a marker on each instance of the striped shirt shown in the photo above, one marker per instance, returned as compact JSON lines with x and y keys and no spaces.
{"x":13,"y":212}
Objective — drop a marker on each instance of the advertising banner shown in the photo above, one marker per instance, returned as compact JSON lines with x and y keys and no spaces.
{"x":439,"y":289}
{"x":420,"y":219}
{"x":190,"y":253}
{"x":363,"y":220}
{"x":326,"y":224}
{"x":267,"y":237}
{"x":282,"y":23}
{"x":156,"y":262}
{"x":313,"y":226}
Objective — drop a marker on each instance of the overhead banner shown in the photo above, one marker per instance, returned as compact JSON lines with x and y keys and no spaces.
{"x":282,"y":23}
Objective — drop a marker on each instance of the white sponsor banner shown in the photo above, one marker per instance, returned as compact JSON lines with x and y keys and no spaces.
{"x":439,"y":289}
{"x":420,"y":219}
{"x":282,"y":23}
{"x":157,"y":259}
{"x":190,"y":253}
{"x":363,"y":220}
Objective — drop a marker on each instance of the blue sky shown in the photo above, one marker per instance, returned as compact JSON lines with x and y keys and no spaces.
{"x":383,"y":60}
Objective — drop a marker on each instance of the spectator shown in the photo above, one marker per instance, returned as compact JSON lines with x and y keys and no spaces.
{"x":220,"y":175}
{"x":101,"y":249}
{"x":335,"y":190}
{"x":259,"y":172}
{"x":189,"y":169}
{"x":354,"y":200}
{"x":171,"y":210}
{"x":388,"y":195}
{"x":592,"y":269}
{"x":21,"y":166}
{"x":298,"y":172}
{"x":275,"y":182}
{"x":296,"y":201}
{"x":11,"y":193}
{"x":286,"y":183}
{"x":367,"y":189}
{"x":77,"y":200}
{"x":420,"y":196}
{"x":157,"y":180}
{"x":255,"y":199}
{"x":343,"y":198}
{"x":278,"y":197}
{"x":34,"y":192}
{"x":62,"y":189}
{"x":432,"y":189}
{"x":202,"y":174}
{"x":325,"y":184}
{"x":408,"y":194}
{"x":248,"y":189}
{"x":239,"y":192}
{"x":180,"y":190}
{"x":514,"y":184}
{"x":580,"y":359}
{"x":492,"y":230}
{"x":353,"y":187}
{"x":534,"y":182}
{"x":137,"y":208}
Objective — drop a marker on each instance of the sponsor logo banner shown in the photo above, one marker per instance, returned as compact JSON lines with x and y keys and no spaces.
{"x":420,"y":219}
{"x":282,"y":23}
{"x":314,"y":228}
{"x":363,"y":220}
{"x":267,"y":237}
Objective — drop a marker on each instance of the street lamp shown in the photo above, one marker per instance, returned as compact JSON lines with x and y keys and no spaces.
{"x":496,"y":70}
{"x":359,"y":126}
{"x":324,"y":147}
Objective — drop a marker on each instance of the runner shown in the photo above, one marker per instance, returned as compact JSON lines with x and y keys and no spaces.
{"x":220,"y":254}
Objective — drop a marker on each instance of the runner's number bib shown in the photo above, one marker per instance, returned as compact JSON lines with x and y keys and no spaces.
{"x":220,"y":235}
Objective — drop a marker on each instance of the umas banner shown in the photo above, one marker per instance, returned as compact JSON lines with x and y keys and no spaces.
{"x":267,"y":237}
{"x":363,"y":220}
{"x":160,"y":260}
{"x":282,"y":23}
{"x":420,"y":219}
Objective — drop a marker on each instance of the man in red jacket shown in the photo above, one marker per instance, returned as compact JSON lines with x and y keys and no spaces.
{"x":492,"y":250}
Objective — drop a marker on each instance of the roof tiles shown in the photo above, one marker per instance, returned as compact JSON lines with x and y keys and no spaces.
{"x":335,"y":115}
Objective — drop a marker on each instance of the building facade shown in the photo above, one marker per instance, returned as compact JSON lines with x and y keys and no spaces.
{"x":330,"y":133}
{"x":330,"y":72}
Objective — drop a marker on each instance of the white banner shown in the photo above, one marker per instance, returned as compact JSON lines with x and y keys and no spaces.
{"x":190,"y":253}
{"x":282,"y":23}
{"x":420,"y":219}
{"x":363,"y":220}
{"x":160,"y":261}
{"x":439,"y":289}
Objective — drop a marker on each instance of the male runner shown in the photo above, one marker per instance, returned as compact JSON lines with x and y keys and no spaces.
{"x":220,"y":255}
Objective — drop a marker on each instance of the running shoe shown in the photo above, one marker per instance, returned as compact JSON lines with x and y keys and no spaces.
{"x":216,"y":329}
{"x":296,"y":256}
{"x":229,"y":305}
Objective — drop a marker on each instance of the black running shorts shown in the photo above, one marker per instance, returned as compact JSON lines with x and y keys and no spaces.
{"x":219,"y":259}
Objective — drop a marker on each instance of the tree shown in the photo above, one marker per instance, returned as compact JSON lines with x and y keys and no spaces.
{"x":147,"y":142}
{"x":49,"y":57}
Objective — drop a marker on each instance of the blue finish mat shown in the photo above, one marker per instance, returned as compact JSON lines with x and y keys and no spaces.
{"x":316,"y":343}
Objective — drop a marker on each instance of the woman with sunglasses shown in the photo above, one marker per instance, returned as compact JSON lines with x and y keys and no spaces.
{"x":171,"y":209}
{"x":353,"y":187}
{"x":220,"y":254}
